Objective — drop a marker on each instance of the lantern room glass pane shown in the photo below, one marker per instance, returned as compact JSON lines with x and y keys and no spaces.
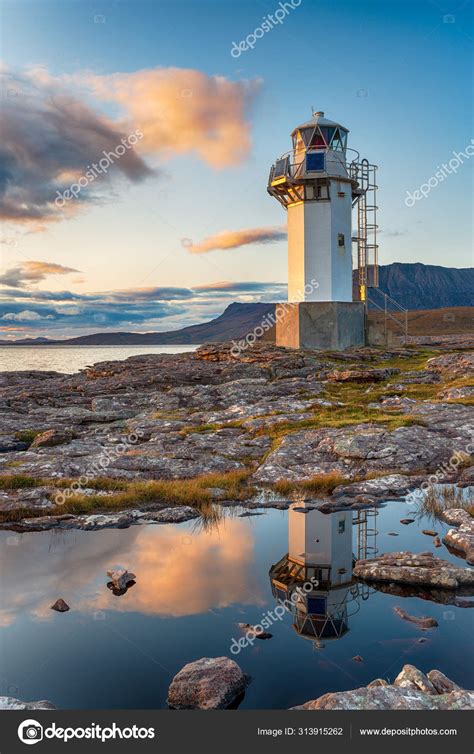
{"x":317,"y":140}
{"x":306,"y":135}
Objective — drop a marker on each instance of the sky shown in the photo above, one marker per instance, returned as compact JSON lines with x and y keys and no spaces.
{"x":176,"y":222}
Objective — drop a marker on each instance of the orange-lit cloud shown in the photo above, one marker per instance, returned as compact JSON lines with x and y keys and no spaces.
{"x":32,"y":272}
{"x":52,"y":135}
{"x":183,"y":111}
{"x":234,"y":239}
{"x":178,"y":573}
{"x":186,"y":575}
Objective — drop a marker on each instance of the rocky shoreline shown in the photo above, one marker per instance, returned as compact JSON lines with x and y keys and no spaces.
{"x":277,"y":418}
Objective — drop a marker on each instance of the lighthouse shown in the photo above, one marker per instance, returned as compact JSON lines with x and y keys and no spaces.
{"x":319,"y":188}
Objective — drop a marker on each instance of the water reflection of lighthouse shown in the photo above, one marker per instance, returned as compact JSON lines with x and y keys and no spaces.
{"x":320,"y":550}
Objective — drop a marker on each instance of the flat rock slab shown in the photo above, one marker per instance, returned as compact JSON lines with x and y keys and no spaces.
{"x":364,"y":448}
{"x":460,"y":538}
{"x":418,"y":569}
{"x":208,"y":683}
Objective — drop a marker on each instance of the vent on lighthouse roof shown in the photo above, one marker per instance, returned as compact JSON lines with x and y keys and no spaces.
{"x":318,"y":119}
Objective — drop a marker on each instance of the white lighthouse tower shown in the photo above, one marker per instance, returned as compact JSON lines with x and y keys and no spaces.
{"x":319,"y":188}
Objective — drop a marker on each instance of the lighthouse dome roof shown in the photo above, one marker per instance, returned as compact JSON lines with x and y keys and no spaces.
{"x":318,"y":119}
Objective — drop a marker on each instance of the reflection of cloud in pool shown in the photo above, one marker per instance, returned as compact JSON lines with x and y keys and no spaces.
{"x":178,"y":577}
{"x":177,"y":573}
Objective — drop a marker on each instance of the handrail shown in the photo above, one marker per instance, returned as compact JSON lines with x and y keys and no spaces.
{"x":388,"y":314}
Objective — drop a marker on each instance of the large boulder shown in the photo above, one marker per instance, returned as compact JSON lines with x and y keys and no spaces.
{"x":411,"y":689}
{"x":208,"y":683}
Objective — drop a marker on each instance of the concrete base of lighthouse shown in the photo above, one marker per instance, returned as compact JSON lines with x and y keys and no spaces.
{"x":320,"y":325}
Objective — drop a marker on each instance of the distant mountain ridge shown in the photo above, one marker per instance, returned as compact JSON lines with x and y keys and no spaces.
{"x":413,"y":286}
{"x":427,"y":286}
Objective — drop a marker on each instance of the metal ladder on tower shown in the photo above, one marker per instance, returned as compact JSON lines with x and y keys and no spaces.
{"x":366,"y":533}
{"x":367,"y":247}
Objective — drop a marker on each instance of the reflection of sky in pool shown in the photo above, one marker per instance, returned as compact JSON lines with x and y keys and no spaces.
{"x":192,"y":588}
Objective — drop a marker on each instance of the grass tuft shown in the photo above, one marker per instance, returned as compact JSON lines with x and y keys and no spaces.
{"x":437,"y":500}
{"x":18,"y":482}
{"x":27,"y":435}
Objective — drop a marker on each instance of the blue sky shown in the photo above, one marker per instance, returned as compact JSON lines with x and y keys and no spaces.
{"x":397,"y":73}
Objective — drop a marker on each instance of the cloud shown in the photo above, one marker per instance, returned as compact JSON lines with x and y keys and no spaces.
{"x":183,"y":111}
{"x":181,"y":573}
{"x":26,"y":316}
{"x":52,"y":135}
{"x":67,"y":314}
{"x":49,"y":138}
{"x":235,"y":239}
{"x":32,"y":272}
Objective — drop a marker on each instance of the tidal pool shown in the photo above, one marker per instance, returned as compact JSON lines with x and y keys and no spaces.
{"x":193,"y":585}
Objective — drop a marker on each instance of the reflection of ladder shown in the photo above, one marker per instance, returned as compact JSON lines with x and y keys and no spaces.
{"x":365,"y":196}
{"x":366,"y":523}
{"x":392,"y":311}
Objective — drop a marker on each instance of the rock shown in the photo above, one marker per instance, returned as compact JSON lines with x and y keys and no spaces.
{"x":256,"y":630}
{"x":60,"y":606}
{"x":390,"y":698}
{"x":456,"y":516}
{"x":442,"y":683}
{"x":358,"y":658}
{"x":460,"y":539}
{"x":455,"y":364}
{"x":437,"y":542}
{"x":364,"y":448}
{"x":208,"y":683}
{"x":361,"y":375}
{"x":412,"y":689}
{"x":120,"y":578}
{"x":392,"y":485}
{"x":421,"y":377}
{"x":175,"y":515}
{"x":424,"y":622}
{"x":52,"y":437}
{"x":411,"y":677}
{"x":407,"y":521}
{"x":10,"y":703}
{"x":429,"y":532}
{"x":416,"y":569}
{"x":456,"y":393}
